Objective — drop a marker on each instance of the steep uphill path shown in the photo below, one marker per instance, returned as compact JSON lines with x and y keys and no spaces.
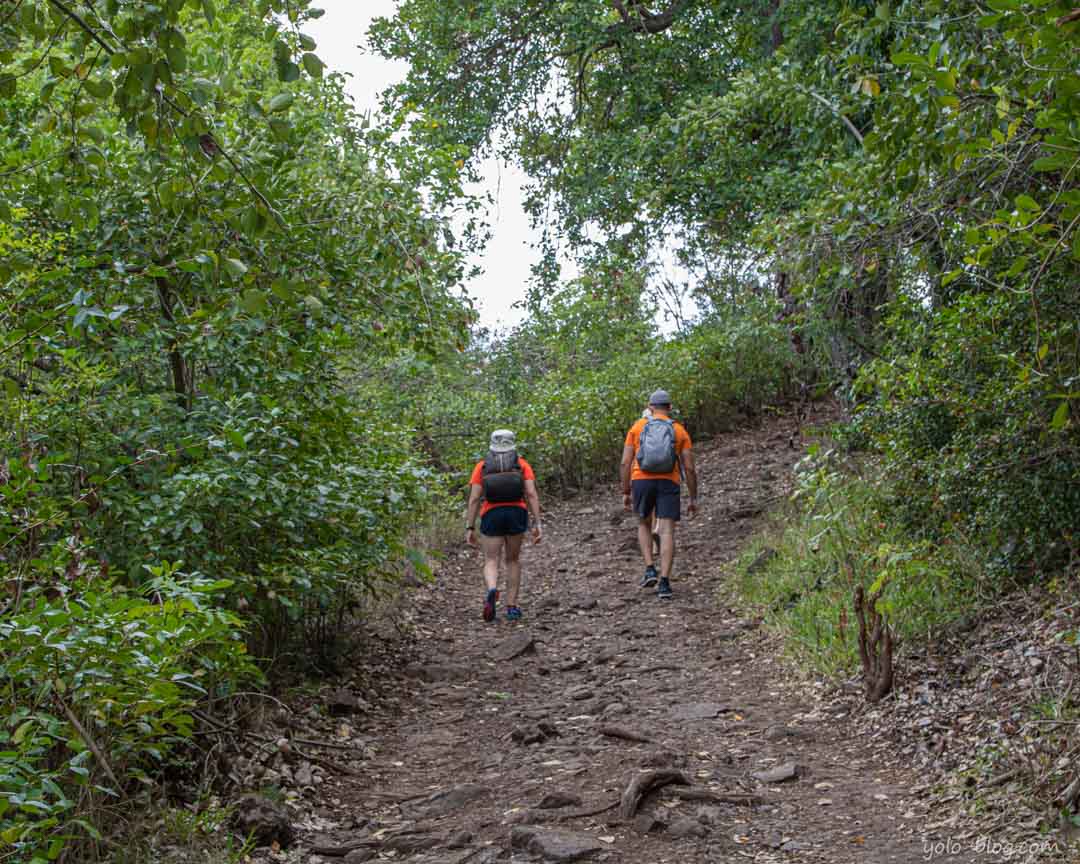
{"x":518,"y":741}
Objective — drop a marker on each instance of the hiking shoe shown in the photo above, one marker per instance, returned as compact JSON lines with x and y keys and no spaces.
{"x":513,"y":613}
{"x":649,"y":579}
{"x":663,"y":591}
{"x":489,"y":604}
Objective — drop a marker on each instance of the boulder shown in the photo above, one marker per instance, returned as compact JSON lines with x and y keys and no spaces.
{"x":780,"y":774}
{"x":555,"y":800}
{"x":516,"y":646}
{"x":552,"y":844}
{"x":445,"y":801}
{"x":264,"y":820}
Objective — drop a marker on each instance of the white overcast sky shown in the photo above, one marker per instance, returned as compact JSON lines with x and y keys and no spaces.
{"x":341,"y":34}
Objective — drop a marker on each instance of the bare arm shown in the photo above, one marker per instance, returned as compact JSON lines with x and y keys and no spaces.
{"x":624,"y":468}
{"x":686,"y":459}
{"x":532,"y":499}
{"x":476,"y":493}
{"x":624,"y":474}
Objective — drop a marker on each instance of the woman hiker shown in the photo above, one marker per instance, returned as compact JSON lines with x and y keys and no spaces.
{"x":506,"y":486}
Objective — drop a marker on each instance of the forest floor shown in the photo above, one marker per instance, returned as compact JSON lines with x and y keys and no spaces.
{"x":458,"y":741}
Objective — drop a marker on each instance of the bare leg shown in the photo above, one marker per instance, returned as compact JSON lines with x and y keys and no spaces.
{"x":513,"y":568}
{"x":644,"y":539}
{"x":666,"y":527}
{"x":492,"y":546}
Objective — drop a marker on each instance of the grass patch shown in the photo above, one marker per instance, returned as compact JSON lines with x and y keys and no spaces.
{"x":835,"y":534}
{"x":199,"y":834}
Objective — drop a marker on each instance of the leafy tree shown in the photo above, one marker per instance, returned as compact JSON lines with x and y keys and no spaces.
{"x":201,"y":247}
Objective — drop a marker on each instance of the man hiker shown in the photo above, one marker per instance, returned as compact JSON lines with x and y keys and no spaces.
{"x":656,"y":454}
{"x":506,"y":486}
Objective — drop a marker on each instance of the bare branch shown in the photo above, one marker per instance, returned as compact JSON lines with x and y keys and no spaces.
{"x":851,"y":126}
{"x":90,"y":31}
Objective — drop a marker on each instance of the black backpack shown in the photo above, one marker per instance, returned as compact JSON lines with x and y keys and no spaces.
{"x":504,"y":479}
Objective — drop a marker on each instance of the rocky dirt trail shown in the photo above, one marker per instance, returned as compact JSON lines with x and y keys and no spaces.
{"x":606,"y":725}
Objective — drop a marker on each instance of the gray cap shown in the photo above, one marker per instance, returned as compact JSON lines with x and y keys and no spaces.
{"x":502,"y":441}
{"x":660,"y":397}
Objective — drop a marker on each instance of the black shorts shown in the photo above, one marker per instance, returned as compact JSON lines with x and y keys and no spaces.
{"x":504,"y":521}
{"x":659,"y":495}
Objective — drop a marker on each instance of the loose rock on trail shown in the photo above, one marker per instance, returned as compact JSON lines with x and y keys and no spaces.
{"x":606,"y":725}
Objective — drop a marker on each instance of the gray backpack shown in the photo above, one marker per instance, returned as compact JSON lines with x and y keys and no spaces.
{"x":656,"y":446}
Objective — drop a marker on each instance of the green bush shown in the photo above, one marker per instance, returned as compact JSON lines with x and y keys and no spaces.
{"x":975,"y":430}
{"x":839,"y":533}
{"x":570,"y":400}
{"x":99,"y":683}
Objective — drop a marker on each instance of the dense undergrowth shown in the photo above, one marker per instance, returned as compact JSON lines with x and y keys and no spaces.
{"x":840,"y":531}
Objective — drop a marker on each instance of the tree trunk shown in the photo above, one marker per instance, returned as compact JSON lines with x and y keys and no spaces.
{"x":183,"y":373}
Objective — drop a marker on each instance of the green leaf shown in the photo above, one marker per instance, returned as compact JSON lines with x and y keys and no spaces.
{"x":1061,"y":416}
{"x":1026,"y":202}
{"x":234,"y":267}
{"x":22,"y":731}
{"x":281,"y":288}
{"x":313,"y":65}
{"x":280,"y":128}
{"x":946,"y":79}
{"x":99,"y":89}
{"x":58,"y":67}
{"x":1018,"y":266}
{"x":306,"y":42}
{"x":288,"y":71}
{"x":906,"y":58}
{"x":254,"y":301}
{"x":253,"y":221}
{"x":279,"y":103}
{"x":1049,"y":163}
{"x":208,"y":10}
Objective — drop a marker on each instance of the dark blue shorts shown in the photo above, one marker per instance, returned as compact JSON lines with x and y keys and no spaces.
{"x":659,"y":495}
{"x":504,"y":521}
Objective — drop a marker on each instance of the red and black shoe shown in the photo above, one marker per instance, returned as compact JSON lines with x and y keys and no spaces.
{"x":489,"y":604}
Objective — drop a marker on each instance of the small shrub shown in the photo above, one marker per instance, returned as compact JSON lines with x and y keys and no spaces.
{"x":99,"y":683}
{"x":837,"y":534}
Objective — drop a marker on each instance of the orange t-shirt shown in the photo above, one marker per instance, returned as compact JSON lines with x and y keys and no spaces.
{"x":477,"y":479}
{"x":682,"y":442}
